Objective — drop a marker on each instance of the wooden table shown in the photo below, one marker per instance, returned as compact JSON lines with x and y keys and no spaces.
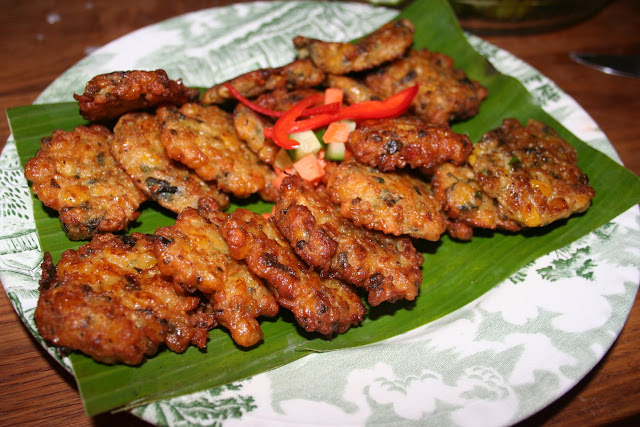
{"x":41,"y":39}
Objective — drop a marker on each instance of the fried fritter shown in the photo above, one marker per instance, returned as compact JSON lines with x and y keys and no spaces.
{"x":392,"y":202}
{"x":354,"y":90}
{"x":326,"y":306}
{"x":387,"y":267}
{"x":107,"y":96}
{"x":203,"y":138}
{"x":74,"y":174}
{"x":387,"y":43}
{"x":465,"y":204}
{"x":249,"y":126}
{"x":390,"y":144}
{"x":445,"y":94}
{"x":109,"y":300}
{"x":532,"y":172}
{"x":295,"y":75}
{"x":193,"y":252}
{"x":138,"y":149}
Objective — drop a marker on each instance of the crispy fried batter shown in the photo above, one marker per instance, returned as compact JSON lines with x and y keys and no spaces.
{"x":249,"y":126}
{"x":354,"y":90}
{"x":465,"y":204}
{"x":392,"y":202}
{"x":445,"y":94}
{"x":390,"y":144}
{"x":387,"y":267}
{"x":295,"y":75}
{"x":193,"y":252}
{"x":326,"y":306}
{"x":532,"y":172}
{"x":107,"y":96}
{"x":138,"y":149}
{"x":109,"y":301}
{"x":387,"y":43}
{"x":74,"y":174}
{"x":203,"y":138}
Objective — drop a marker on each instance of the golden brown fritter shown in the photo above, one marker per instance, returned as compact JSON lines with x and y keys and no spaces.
{"x":74,"y":174}
{"x":387,"y":43}
{"x":203,"y":138}
{"x":107,"y":96}
{"x":392,"y":202}
{"x":532,"y":172}
{"x":282,"y":99}
{"x":138,"y":149}
{"x":193,"y":252}
{"x":326,"y":306}
{"x":465,"y":204}
{"x":354,"y":90}
{"x":249,"y":126}
{"x":295,"y":75}
{"x":390,"y":144}
{"x":445,"y":94}
{"x":109,"y":301}
{"x":387,"y":267}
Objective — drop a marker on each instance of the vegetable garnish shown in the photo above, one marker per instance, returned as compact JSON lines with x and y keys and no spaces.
{"x":282,"y":128}
{"x":393,"y":106}
{"x":333,"y":94}
{"x":337,"y":132}
{"x":327,"y":108}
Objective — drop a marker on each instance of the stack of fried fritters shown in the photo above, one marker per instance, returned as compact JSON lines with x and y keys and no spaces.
{"x":327,"y":244}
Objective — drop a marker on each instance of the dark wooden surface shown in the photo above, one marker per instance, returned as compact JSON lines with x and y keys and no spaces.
{"x":41,"y":39}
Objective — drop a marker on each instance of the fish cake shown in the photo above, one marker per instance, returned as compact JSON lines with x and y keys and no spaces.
{"x":322,"y":305}
{"x":387,"y":267}
{"x":107,"y":96}
{"x":392,"y":202}
{"x":249,"y":126}
{"x":138,"y":149}
{"x":194,"y":253}
{"x":203,"y":138}
{"x":298,"y":74}
{"x":444,"y":94}
{"x":354,"y":90}
{"x":108,"y":300}
{"x":390,"y":144}
{"x":74,"y":173}
{"x":465,"y":204}
{"x":387,"y":43}
{"x":532,"y":172}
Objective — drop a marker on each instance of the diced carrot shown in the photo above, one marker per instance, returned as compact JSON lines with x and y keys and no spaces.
{"x":337,"y":132}
{"x":309,"y":167}
{"x":333,"y":94}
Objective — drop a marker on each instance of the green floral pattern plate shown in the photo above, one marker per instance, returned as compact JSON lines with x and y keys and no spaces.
{"x":499,"y":359}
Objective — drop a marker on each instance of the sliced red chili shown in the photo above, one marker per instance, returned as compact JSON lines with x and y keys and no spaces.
{"x":332,"y":108}
{"x":393,"y":106}
{"x":280,"y":133}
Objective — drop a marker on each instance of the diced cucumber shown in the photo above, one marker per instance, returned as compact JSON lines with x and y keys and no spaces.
{"x":309,"y":144}
{"x":335,"y":152}
{"x":282,"y":160}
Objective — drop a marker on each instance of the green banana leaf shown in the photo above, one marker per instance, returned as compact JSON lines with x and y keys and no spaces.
{"x":454,"y":273}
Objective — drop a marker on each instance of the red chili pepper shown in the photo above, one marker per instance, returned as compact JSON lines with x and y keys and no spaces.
{"x":321,"y":109}
{"x":280,"y":133}
{"x":393,"y":106}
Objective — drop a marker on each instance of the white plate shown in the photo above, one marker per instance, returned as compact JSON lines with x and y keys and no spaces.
{"x":495,"y":361}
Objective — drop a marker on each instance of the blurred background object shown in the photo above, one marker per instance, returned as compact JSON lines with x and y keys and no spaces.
{"x":522,"y":16}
